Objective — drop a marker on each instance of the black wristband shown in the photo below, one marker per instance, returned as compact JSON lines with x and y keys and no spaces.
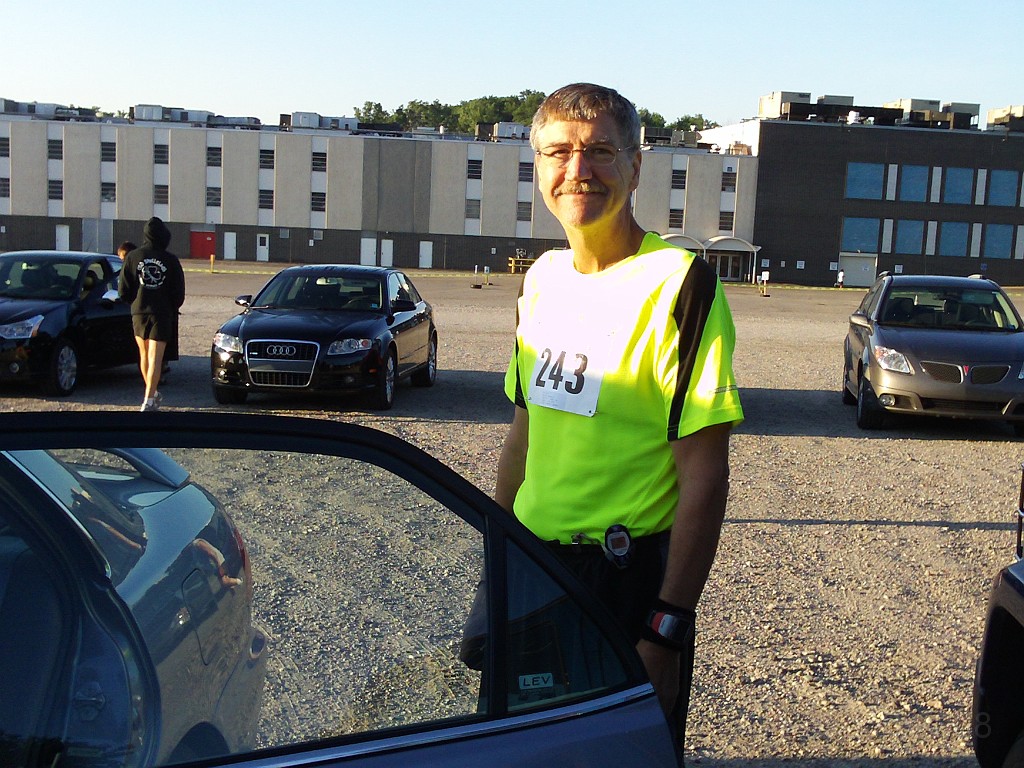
{"x":669,"y":625}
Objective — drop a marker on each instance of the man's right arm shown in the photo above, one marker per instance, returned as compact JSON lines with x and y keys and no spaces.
{"x":512,"y":463}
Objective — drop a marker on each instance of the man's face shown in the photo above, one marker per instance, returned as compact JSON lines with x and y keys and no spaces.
{"x":582,"y":193}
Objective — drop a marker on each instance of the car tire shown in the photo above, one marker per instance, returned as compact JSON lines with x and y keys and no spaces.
{"x":869,"y":413}
{"x":426,"y":375}
{"x":848,"y":397}
{"x":387,"y":378}
{"x":62,"y":369}
{"x":229,"y":395}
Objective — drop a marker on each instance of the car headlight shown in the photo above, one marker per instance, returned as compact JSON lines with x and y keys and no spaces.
{"x":348,"y":346}
{"x":23,"y":329}
{"x":891,"y":360}
{"x":227,"y":343}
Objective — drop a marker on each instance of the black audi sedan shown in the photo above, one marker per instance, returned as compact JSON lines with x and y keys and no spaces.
{"x":327,"y":327}
{"x":58,"y":314}
{"x":125,"y":611}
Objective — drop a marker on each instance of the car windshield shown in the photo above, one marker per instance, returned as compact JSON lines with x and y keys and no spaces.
{"x":957,"y":307}
{"x":319,"y":291}
{"x":38,"y":278}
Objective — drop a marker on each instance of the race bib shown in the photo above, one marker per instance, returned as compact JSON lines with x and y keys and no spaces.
{"x":572,"y":360}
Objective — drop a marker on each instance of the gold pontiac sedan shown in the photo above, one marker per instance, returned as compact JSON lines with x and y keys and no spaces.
{"x":934,"y":345}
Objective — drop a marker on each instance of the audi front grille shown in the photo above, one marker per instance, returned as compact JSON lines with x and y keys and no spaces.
{"x":281,"y":362}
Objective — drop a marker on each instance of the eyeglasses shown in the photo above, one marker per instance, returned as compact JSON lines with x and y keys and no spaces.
{"x":595,"y":154}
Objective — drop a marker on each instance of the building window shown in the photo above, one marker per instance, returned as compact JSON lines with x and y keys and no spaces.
{"x":161,"y":153}
{"x":860,"y":235}
{"x":319,"y":161}
{"x":55,"y":189}
{"x":675,"y":216}
{"x":679,"y":179}
{"x":213,"y":197}
{"x":108,"y":152}
{"x":526,"y":172}
{"x":213,"y":157}
{"x":318,"y":201}
{"x":54,"y":149}
{"x":474,"y":169}
{"x":913,"y":184}
{"x":909,"y":237}
{"x":958,"y":186}
{"x":864,"y":180}
{"x":524,"y":211}
{"x":160,"y":194}
{"x":725,"y":220}
{"x":267,"y":199}
{"x":472,"y":209}
{"x":5,"y":146}
{"x":1002,"y":187}
{"x":998,"y":242}
{"x":5,"y":187}
{"x":729,"y":181}
{"x":267,"y":159}
{"x":953,"y":238}
{"x":108,"y":192}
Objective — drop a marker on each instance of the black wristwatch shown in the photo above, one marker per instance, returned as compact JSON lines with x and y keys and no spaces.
{"x":670,"y":626}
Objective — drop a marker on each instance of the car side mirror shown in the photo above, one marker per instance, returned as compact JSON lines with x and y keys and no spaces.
{"x":403,"y":305}
{"x":244,"y":301}
{"x":110,"y":298}
{"x":860,"y":319}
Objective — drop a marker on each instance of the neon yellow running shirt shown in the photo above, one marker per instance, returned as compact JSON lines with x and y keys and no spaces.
{"x":611,"y":366}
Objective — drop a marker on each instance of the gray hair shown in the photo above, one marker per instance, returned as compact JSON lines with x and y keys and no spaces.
{"x":585,"y":101}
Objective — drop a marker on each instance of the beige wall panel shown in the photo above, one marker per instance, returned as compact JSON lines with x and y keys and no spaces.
{"x":82,"y":171}
{"x":448,"y":188}
{"x":651,"y":199}
{"x":293,"y":156}
{"x":187,"y":183}
{"x":345,"y":182}
{"x":135,"y":173}
{"x":28,"y":169}
{"x":746,"y":198}
{"x":703,"y":196}
{"x":240,"y":160}
{"x":500,"y":190}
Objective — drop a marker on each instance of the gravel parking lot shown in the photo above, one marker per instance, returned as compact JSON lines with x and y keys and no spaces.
{"x":844,"y":614}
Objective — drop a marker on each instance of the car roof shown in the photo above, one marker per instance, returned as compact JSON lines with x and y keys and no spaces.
{"x":64,"y":255}
{"x":941,"y":281}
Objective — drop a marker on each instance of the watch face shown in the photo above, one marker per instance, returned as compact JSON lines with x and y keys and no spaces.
{"x":668,"y":626}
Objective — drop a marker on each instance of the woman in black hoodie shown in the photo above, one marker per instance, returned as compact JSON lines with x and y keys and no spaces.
{"x":153,"y":282}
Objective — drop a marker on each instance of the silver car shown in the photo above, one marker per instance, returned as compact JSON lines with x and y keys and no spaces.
{"x":935,"y":346}
{"x":367,"y":559}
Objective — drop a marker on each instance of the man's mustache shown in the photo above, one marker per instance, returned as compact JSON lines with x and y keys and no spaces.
{"x":581,"y":188}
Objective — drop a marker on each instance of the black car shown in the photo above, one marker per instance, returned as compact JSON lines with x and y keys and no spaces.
{"x":125,"y":612}
{"x":935,"y":345}
{"x":999,"y":678}
{"x":370,"y":561}
{"x":59,"y":314}
{"x":327,"y":328}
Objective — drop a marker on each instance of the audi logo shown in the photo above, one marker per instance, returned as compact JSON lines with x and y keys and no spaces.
{"x":280,"y":350}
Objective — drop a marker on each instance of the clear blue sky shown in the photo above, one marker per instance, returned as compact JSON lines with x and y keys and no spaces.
{"x":260,"y":58}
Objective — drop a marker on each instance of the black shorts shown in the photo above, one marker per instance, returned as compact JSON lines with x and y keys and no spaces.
{"x":155,"y":327}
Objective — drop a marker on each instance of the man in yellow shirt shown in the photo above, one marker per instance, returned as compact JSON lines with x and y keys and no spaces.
{"x":624,"y":392}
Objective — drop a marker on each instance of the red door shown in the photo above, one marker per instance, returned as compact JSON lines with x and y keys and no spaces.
{"x":202,"y":245}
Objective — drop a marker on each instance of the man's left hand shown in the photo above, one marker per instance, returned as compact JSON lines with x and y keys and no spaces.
{"x":662,"y":666}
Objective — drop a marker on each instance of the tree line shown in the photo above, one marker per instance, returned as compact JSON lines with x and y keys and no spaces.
{"x":464,"y":116}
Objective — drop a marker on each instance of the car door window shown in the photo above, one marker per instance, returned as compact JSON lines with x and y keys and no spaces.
{"x":364,"y":583}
